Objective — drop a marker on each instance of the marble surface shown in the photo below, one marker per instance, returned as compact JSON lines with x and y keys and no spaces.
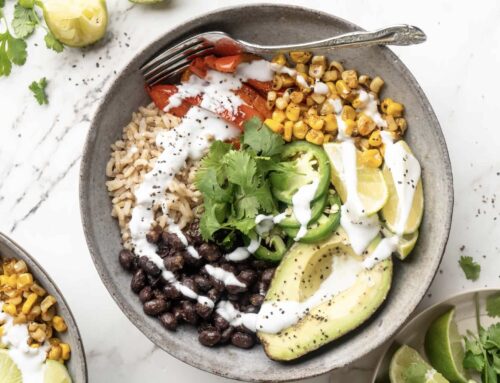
{"x":41,"y":146}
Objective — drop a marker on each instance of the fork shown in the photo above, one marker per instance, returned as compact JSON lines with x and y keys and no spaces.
{"x":174,"y":60}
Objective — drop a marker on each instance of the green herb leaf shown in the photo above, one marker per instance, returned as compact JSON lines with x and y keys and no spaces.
{"x":16,"y":50}
{"x":492,"y":337}
{"x":209,"y":222}
{"x":25,"y":21}
{"x":241,"y":169}
{"x":52,"y":43}
{"x":473,"y":362}
{"x":2,"y":3}
{"x":493,"y":305}
{"x":262,"y":139}
{"x":470,"y":268}
{"x":38,"y":89}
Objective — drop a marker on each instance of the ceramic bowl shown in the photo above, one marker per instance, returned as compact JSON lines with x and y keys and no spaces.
{"x":272,"y":24}
{"x":413,"y":333}
{"x":77,"y":365}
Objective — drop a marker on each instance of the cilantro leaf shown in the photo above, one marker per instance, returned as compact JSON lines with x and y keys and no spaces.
{"x":38,"y":89}
{"x":493,"y":305}
{"x":473,"y":362}
{"x":247,"y":206}
{"x":209,"y":222}
{"x":262,"y":139}
{"x":25,"y":21}
{"x":16,"y":50}
{"x":492,"y":337}
{"x":241,"y":169}
{"x":470,"y":268}
{"x":52,"y":43}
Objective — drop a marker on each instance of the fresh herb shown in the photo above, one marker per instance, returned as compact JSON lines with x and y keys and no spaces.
{"x":52,"y":43}
{"x":234,"y":182}
{"x":493,"y":305}
{"x":38,"y":89}
{"x":12,"y":50}
{"x":25,"y":21}
{"x":470,"y":268}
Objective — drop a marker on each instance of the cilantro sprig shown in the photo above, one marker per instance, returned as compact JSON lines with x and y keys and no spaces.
{"x":38,"y":89}
{"x":471,"y":268}
{"x":234,"y":181}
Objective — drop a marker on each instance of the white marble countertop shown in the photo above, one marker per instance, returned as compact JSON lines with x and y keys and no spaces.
{"x":41,"y":149}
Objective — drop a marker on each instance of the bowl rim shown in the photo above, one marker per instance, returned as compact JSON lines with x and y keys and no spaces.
{"x":33,"y":264}
{"x":385,"y":349}
{"x":85,"y":169}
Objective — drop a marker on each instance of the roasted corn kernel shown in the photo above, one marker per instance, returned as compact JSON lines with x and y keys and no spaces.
{"x":292,"y":112}
{"x":375,"y":140}
{"x":287,"y":131}
{"x":279,"y":59}
{"x":315,"y":137}
{"x":318,"y":98}
{"x":47,"y":303}
{"x":24,"y":280}
{"x":365,"y":124}
{"x":10,"y":309}
{"x":395,"y":109}
{"x":376,"y":84}
{"x":350,"y":126}
{"x":342,"y":89}
{"x":364,"y":80}
{"x":65,"y":351}
{"x":328,"y":138}
{"x":317,"y":67}
{"x":331,"y":123}
{"x":275,"y":126}
{"x":391,"y":123}
{"x":371,"y":158}
{"x":348,"y":113}
{"x":402,"y":124}
{"x":300,"y":129}
{"x":315,"y":122}
{"x":330,"y":75}
{"x":59,"y":324}
{"x":300,"y":57}
{"x":385,"y":104}
{"x":278,"y":116}
{"x":55,"y":352}
{"x":351,"y":78}
{"x":296,"y":97}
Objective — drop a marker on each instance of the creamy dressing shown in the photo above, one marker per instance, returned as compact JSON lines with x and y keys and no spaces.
{"x":405,"y":170}
{"x":371,"y":108}
{"x":384,"y":249}
{"x":361,"y":230}
{"x":301,"y":204}
{"x":321,"y":88}
{"x":283,"y":69}
{"x":226,"y":277}
{"x":235,"y":317}
{"x":241,"y":253}
{"x":29,"y":360}
{"x":302,"y":81}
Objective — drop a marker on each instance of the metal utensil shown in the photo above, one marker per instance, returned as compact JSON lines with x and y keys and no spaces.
{"x":173,"y":60}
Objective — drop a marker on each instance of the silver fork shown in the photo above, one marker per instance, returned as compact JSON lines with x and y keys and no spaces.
{"x":172,"y":61}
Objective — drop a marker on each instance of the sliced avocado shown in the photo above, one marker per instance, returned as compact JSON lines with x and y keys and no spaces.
{"x":300,"y":274}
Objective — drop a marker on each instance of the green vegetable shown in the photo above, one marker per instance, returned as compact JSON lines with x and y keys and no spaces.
{"x":234,"y":182}
{"x":25,"y":21}
{"x":302,"y":162}
{"x":38,"y":89}
{"x":470,"y":268}
{"x":317,"y":208}
{"x":493,"y":305}
{"x":273,"y":250}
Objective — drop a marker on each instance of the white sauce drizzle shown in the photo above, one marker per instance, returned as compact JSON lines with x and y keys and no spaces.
{"x":235,"y":317}
{"x":226,"y":277}
{"x":283,"y":69}
{"x":371,"y":108}
{"x":241,"y":253}
{"x":301,"y":202}
{"x":383,"y":251}
{"x":30,"y":361}
{"x":321,"y":88}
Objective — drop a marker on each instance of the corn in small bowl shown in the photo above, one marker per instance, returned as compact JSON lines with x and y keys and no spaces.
{"x":30,"y":297}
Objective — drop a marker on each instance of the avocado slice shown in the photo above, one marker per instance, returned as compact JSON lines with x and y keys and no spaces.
{"x":300,"y":274}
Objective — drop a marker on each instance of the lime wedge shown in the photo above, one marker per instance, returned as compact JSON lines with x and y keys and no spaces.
{"x":406,"y":243}
{"x":391,"y":209}
{"x":55,"y":372}
{"x":9,"y":373}
{"x":443,"y":346}
{"x":372,"y":189}
{"x":146,"y":1}
{"x":408,"y":366}
{"x":76,"y":23}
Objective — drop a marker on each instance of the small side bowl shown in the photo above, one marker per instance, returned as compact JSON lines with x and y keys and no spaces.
{"x":77,"y":365}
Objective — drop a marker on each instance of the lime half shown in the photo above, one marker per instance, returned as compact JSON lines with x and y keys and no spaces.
{"x":408,"y":366}
{"x":443,"y":346}
{"x":371,"y":186}
{"x":55,"y":372}
{"x":76,"y":23}
{"x":9,"y":373}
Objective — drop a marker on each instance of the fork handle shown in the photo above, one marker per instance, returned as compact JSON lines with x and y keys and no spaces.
{"x":394,"y":35}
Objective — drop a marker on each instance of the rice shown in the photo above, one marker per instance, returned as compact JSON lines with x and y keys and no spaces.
{"x":132,"y":157}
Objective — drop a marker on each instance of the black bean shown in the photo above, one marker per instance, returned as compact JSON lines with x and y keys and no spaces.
{"x":204,"y":311}
{"x":214,"y":295}
{"x":226,"y":335}
{"x":209,"y":251}
{"x":228,"y":267}
{"x":209,"y":338}
{"x":177,"y":312}
{"x":243,"y":329}
{"x":160,"y":294}
{"x":189,"y":312}
{"x":172,"y":241}
{"x":220,"y":322}
{"x":261,"y":287}
{"x":171,"y":292}
{"x":174,"y":262}
{"x":168,"y":321}
{"x":149,"y":266}
{"x":193,"y":233}
{"x":138,"y":281}
{"x":146,"y":294}
{"x":267,"y":276}
{"x":233,"y":289}
{"x":203,"y":283}
{"x":155,"y":282}
{"x":218,"y":285}
{"x":153,"y":236}
{"x":234,"y":298}
{"x":127,"y":259}
{"x":242,"y":340}
{"x":256,"y":300}
{"x":257,"y":264}
{"x":247,"y":276}
{"x":155,"y":307}
{"x":189,"y":283}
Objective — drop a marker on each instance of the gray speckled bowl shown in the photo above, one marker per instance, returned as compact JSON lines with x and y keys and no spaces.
{"x":273,"y":24}
{"x":77,"y":365}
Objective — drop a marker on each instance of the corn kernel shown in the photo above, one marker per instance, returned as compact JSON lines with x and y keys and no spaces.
{"x":315,"y":137}
{"x":385,"y":104}
{"x":281,"y":103}
{"x":342,"y":89}
{"x":371,"y":158}
{"x":395,"y":109}
{"x":20,"y":267}
{"x":357,"y":103}
{"x":402,"y":124}
{"x":309,"y":101}
{"x":66,"y":351}
{"x":279,"y":59}
{"x":318,"y":98}
{"x":326,"y":108}
{"x":47,"y":303}
{"x":376,"y":84}
{"x":328,"y":138}
{"x":292,"y":112}
{"x":351,"y":78}
{"x":317,"y":69}
{"x":315,"y":122}
{"x":59,"y":324}
{"x":278,"y":116}
{"x":275,"y":126}
{"x":364,"y":80}
{"x":24,"y":280}
{"x":55,"y":353}
{"x":54,"y":341}
{"x":49,"y":314}
{"x":300,"y":57}
{"x":332,"y":89}
{"x":300,"y":130}
{"x":287,"y":131}
{"x":350,"y":125}
{"x":20,"y":318}
{"x":296,"y":97}
{"x":348,"y":113}
{"x":38,"y":290}
{"x":331,"y":123}
{"x":302,"y":68}
{"x":38,"y":335}
{"x":365,"y":124}
{"x":287,"y":80}
{"x":12,"y":281}
{"x":10,"y":309}
{"x":335,"y":65}
{"x":391,"y":123}
{"x":277,"y":82}
{"x":375,"y":140}
{"x":330,"y":75}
